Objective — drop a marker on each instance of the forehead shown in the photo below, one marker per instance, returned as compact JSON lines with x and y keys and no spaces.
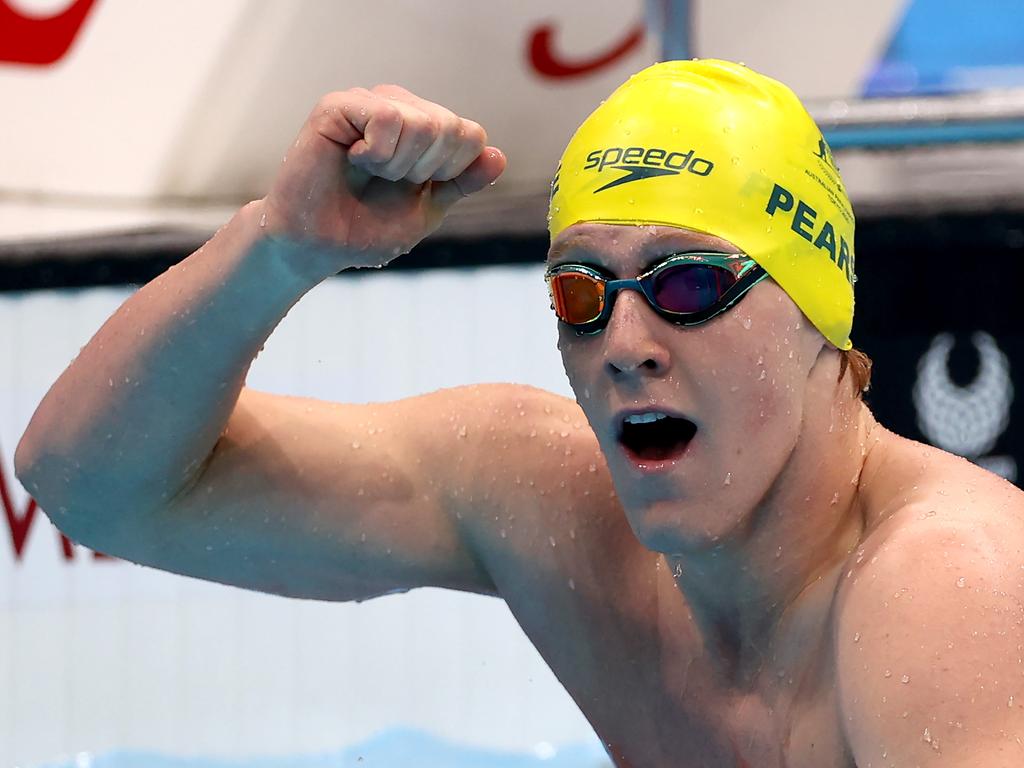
{"x":628,"y":245}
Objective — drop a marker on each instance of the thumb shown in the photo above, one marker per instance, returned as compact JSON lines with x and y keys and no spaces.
{"x":480,"y":173}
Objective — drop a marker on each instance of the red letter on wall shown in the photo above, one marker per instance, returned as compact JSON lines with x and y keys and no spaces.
{"x":39,"y":41}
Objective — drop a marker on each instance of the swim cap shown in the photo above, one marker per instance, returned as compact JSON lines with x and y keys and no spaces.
{"x":718,"y":148}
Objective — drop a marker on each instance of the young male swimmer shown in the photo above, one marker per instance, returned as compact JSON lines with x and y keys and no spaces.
{"x":720,"y":553}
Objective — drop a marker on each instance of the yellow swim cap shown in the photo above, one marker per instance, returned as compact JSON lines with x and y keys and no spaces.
{"x":718,"y":148}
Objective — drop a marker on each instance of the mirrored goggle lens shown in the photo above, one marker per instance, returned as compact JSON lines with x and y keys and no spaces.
{"x":690,"y":288}
{"x":578,"y":298}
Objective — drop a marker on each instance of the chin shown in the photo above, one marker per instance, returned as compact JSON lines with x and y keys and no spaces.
{"x":678,"y":527}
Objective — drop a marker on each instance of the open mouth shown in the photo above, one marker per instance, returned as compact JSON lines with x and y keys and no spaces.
{"x":655,"y":436}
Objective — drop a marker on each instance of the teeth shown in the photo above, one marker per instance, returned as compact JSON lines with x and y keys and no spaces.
{"x":645,"y":418}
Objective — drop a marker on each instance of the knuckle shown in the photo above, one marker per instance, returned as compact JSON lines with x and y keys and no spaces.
{"x":473,"y":132}
{"x":425,"y":130}
{"x":387,"y":112}
{"x":328,"y":103}
{"x":388,"y":89}
{"x":451,"y":127}
{"x":431,"y":125}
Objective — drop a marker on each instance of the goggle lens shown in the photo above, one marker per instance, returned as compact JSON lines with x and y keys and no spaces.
{"x":578,"y":298}
{"x":690,"y":288}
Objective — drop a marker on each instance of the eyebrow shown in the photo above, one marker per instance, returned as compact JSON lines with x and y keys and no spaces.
{"x":557,"y":251}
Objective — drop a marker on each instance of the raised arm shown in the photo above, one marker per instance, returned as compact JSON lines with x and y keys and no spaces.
{"x":153,"y":415}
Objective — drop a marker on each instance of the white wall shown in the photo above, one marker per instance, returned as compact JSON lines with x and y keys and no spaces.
{"x":96,"y":655}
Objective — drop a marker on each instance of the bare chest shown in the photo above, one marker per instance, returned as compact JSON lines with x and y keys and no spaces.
{"x":631,"y":659}
{"x":654,"y":721}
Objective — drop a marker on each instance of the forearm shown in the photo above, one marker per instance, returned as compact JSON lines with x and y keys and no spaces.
{"x":136,"y":414}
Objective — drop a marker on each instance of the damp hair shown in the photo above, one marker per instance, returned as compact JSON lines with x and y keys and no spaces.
{"x":858,"y":365}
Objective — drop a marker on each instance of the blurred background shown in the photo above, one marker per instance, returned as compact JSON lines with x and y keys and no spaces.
{"x":131,"y":129}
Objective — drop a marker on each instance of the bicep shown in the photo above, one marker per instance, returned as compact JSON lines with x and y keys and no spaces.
{"x":307,"y":498}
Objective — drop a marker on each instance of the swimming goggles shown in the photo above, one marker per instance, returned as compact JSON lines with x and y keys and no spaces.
{"x":685,"y":288}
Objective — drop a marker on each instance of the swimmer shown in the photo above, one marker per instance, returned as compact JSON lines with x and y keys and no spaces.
{"x":721,"y":554}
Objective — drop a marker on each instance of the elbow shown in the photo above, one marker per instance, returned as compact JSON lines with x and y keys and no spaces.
{"x":24,"y":462}
{"x":47,"y":483}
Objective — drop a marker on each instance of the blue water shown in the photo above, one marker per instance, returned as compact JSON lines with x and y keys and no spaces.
{"x":399,"y":748}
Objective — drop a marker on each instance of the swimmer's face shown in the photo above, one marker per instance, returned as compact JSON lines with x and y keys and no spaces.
{"x":733,"y":389}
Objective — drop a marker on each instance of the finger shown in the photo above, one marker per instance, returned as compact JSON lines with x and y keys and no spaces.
{"x":368,"y":125}
{"x":483,"y":171}
{"x":341,"y":116}
{"x":419,"y":131}
{"x":472,"y":142}
{"x":449,"y":140}
{"x":459,"y":143}
{"x":381,"y":133}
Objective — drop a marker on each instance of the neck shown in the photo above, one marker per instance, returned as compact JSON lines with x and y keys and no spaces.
{"x":763,"y":594}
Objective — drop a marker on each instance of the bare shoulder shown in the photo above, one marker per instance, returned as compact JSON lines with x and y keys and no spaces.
{"x":913,"y":483}
{"x":527,"y":446}
{"x":929,"y":614}
{"x":537,"y":496}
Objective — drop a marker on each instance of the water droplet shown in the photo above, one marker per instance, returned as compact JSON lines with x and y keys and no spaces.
{"x":961,"y":582}
{"x":905,"y":679}
{"x":728,"y":479}
{"x":552,"y":540}
{"x":355,"y":443}
{"x":747,"y":323}
{"x":572,"y":585}
{"x":887,"y":673}
{"x":463,"y":431}
{"x":856,"y":637}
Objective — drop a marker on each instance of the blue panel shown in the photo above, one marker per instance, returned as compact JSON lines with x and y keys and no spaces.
{"x":953,"y":46}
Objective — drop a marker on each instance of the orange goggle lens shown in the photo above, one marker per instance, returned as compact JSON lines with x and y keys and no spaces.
{"x":578,"y":298}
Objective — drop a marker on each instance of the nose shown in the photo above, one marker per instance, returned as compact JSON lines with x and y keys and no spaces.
{"x":632,"y":348}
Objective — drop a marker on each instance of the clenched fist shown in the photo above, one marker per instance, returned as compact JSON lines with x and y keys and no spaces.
{"x":371,"y":174}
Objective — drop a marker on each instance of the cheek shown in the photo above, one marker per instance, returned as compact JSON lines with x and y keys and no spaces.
{"x":764,"y":387}
{"x":578,"y":359}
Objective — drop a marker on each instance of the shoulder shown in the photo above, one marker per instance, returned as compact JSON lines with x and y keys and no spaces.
{"x":513,"y":425}
{"x":522,"y":448}
{"x":929,"y":617}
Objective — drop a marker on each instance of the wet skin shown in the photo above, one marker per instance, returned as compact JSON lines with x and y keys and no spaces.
{"x":800,"y":588}
{"x":760,"y":602}
{"x":768,"y":621}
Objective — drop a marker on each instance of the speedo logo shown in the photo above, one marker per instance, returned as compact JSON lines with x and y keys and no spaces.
{"x":644,"y":163}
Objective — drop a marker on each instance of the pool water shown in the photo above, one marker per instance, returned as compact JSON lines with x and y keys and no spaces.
{"x":398,"y":748}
